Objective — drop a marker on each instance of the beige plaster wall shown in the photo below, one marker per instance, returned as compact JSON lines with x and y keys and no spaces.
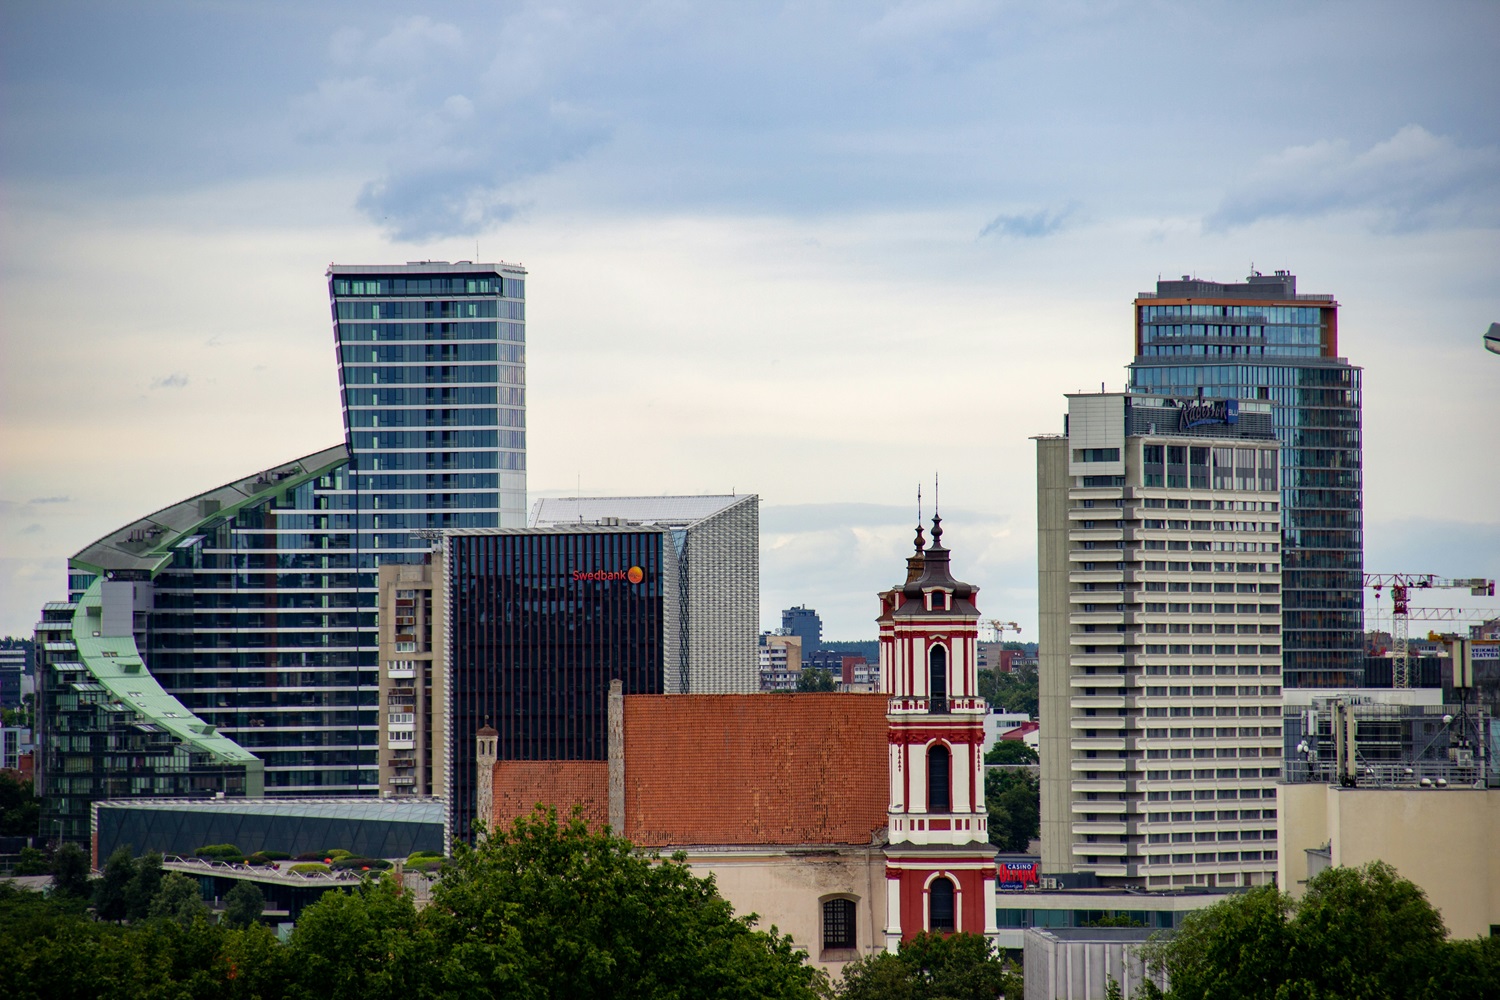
{"x":1446,"y":841}
{"x":787,"y":890}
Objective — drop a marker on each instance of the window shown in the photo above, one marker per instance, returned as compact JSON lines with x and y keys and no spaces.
{"x":940,"y":908}
{"x":937,"y":679}
{"x":838,"y":924}
{"x":939,"y":787}
{"x":1096,"y":454}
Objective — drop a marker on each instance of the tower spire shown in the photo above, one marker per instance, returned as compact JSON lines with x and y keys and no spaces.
{"x":937,"y":520}
{"x":921,"y":542}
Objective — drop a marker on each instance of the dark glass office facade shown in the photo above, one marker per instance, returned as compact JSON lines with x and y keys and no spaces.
{"x":432,"y":369}
{"x":1260,"y":340}
{"x":540,"y":623}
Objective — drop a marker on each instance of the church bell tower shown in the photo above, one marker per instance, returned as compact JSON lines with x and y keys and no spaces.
{"x":940,"y":866}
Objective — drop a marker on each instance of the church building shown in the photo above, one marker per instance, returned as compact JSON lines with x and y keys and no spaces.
{"x":852,"y":822}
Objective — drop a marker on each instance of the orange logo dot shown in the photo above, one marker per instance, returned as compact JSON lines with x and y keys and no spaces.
{"x":635,"y":574}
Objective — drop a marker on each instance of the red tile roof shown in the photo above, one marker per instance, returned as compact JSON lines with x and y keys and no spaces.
{"x":521,"y":784}
{"x":755,"y":769}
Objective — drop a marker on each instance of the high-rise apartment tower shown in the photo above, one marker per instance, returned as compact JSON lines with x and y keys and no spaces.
{"x":1160,"y":681}
{"x":432,"y":367}
{"x":1261,"y":340}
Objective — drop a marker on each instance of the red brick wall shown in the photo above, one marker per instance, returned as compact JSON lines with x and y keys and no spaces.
{"x":521,"y":784}
{"x":754,"y":769}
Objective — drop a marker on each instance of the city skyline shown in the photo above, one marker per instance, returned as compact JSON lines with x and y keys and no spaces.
{"x":738,"y":269}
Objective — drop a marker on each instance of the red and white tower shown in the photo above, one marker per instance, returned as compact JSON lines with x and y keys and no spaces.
{"x":940,"y":866}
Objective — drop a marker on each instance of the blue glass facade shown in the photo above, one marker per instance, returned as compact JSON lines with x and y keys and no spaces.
{"x":540,"y":623}
{"x":1260,"y":340}
{"x":432,"y":365}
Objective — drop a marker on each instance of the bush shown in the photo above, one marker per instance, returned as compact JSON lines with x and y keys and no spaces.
{"x":311,"y":866}
{"x":359,"y":864}
{"x":418,"y":856}
{"x":273,"y":855}
{"x":338,"y":853}
{"x":311,"y":856}
{"x":221,"y":852}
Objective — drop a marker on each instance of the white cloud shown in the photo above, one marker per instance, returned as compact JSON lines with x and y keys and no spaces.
{"x":1413,"y":180}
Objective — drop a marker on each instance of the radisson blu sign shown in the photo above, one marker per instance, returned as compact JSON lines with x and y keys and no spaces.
{"x":1197,"y":412}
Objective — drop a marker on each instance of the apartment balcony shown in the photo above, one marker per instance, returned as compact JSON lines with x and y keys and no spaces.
{"x":1112,"y":679}
{"x":1113,"y":829}
{"x":401,"y":745}
{"x":400,"y":780}
{"x":1102,"y":765}
{"x":1081,"y":849}
{"x":1114,"y":699}
{"x":401,"y":673}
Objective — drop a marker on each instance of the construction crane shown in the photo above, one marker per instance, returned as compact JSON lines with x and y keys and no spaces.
{"x":1000,"y":628}
{"x":1401,"y":585}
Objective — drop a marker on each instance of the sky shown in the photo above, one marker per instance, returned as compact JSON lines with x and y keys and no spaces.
{"x":816,"y":251}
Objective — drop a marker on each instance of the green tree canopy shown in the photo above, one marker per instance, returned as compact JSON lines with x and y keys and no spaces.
{"x":1013,"y":799}
{"x":1358,"y":933}
{"x":1011,"y":752}
{"x":815,"y":679}
{"x":567,"y":912}
{"x":20,"y":809}
{"x":243,"y":905}
{"x":71,"y":873}
{"x":931,"y":967}
{"x":179,"y":900}
{"x":109,"y":888}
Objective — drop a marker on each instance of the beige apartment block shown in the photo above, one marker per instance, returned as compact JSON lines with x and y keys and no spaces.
{"x":413,"y":681}
{"x":1159,"y":573}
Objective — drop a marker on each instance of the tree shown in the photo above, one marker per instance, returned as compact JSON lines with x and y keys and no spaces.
{"x":1358,"y":933}
{"x":1011,"y":752}
{"x":243,"y":905}
{"x":179,"y":900}
{"x":1013,"y":800}
{"x":20,"y":809}
{"x":815,"y":679}
{"x":70,"y":873}
{"x":143,"y":887}
{"x":32,"y":862}
{"x":554,"y":909}
{"x":1014,"y":692}
{"x":110,"y":888}
{"x":931,"y":967}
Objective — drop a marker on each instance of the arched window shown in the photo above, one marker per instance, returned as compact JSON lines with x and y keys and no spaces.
{"x":940,"y":908}
{"x":937,"y":679}
{"x":939,"y":787}
{"x":838,"y":924}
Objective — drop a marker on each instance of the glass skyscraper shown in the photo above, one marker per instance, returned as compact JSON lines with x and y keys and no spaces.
{"x":432,"y":368}
{"x":257,"y":600}
{"x":1261,"y":340}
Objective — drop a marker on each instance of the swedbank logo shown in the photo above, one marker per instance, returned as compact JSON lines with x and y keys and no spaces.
{"x":632,"y":575}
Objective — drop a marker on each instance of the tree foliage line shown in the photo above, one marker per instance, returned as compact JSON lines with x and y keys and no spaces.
{"x":546,"y":909}
{"x":1357,"y":934}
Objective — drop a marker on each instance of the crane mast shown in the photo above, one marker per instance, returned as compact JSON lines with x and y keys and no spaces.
{"x":1401,"y":586}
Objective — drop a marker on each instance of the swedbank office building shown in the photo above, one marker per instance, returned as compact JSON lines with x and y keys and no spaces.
{"x":540,"y":622}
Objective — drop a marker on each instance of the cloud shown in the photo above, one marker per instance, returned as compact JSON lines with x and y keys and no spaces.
{"x":176,"y":380}
{"x":453,"y":126}
{"x":1028,"y":225}
{"x":49,"y":500}
{"x":31,"y":529}
{"x":1414,"y":180}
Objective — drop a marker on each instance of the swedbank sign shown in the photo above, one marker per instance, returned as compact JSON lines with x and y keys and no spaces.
{"x":632,"y":575}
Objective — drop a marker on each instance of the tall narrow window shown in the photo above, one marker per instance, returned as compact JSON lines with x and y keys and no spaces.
{"x":937,"y":679}
{"x":939,"y":783}
{"x":838,"y":923}
{"x":940,"y":909}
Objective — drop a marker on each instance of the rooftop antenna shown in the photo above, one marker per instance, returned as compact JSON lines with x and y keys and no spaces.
{"x":919,"y":504}
{"x":934,"y":494}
